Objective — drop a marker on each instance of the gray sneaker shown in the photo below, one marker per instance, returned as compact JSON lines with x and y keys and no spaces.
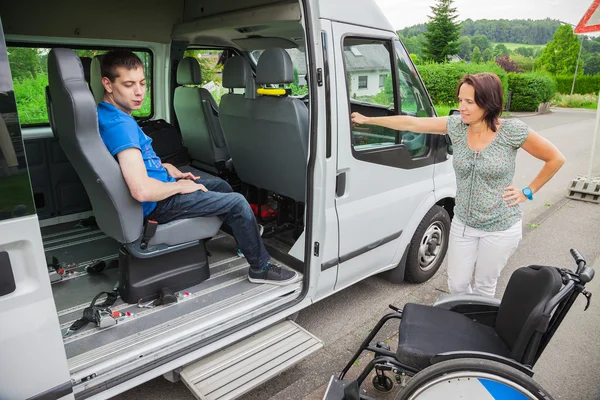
{"x":273,"y":274}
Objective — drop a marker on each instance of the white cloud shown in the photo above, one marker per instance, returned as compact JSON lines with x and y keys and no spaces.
{"x":403,"y":13}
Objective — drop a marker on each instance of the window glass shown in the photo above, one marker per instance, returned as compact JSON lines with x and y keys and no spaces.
{"x":15,"y":188}
{"x":29,"y":66}
{"x":414,"y":101}
{"x":300,"y":85}
{"x":370,"y":80}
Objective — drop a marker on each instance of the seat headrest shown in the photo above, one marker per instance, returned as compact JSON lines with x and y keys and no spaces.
{"x":274,"y":67}
{"x":237,"y":73}
{"x":96,"y":79}
{"x":189,"y":72}
{"x":87,"y":63}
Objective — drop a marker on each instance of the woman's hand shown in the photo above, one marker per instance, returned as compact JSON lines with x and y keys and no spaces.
{"x":513,"y":196}
{"x":358,"y":118}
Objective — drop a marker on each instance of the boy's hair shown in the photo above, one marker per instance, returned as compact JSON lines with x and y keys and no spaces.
{"x":118,"y":58}
{"x":488,"y":95}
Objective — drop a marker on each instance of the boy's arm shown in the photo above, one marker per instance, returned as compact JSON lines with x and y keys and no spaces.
{"x":142,"y":187}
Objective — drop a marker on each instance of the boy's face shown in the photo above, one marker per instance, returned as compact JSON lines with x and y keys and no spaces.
{"x":128,"y":90}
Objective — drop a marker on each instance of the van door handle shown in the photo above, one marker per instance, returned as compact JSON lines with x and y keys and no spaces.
{"x":7,"y":279}
{"x":340,"y":184}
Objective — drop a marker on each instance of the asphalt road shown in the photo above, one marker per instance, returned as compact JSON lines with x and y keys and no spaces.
{"x":569,"y":367}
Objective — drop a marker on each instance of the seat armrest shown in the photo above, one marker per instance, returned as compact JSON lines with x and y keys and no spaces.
{"x":453,"y":355}
{"x":452,"y":300}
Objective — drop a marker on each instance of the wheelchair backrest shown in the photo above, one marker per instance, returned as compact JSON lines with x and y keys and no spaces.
{"x":521,"y":320}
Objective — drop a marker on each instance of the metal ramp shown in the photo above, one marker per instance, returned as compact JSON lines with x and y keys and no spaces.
{"x":230,"y":373}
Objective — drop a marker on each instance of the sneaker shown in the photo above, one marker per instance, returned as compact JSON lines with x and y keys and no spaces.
{"x":274,"y":275}
{"x":261,"y":229}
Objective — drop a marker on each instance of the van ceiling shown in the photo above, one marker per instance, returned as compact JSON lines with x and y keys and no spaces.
{"x":148,"y":21}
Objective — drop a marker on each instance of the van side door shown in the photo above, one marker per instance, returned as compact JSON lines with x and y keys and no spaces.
{"x":383,"y":175}
{"x":33,"y":363}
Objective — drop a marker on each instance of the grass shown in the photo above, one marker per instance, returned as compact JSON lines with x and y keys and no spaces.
{"x":512,"y":46}
{"x":16,"y":190}
{"x":589,"y":101}
{"x":443,"y":110}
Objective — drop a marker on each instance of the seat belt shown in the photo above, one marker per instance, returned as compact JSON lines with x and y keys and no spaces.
{"x":100,"y":314}
{"x":149,"y":231}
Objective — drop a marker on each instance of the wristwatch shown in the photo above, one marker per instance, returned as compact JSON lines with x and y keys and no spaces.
{"x":528,"y":193}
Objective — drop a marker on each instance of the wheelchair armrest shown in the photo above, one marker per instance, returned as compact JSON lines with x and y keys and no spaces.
{"x":453,"y":355}
{"x":453,"y":300}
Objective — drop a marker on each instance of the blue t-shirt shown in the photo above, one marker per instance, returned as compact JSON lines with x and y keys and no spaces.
{"x":120,"y":131}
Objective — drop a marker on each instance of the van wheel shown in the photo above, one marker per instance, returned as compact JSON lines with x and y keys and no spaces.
{"x":428,"y":246}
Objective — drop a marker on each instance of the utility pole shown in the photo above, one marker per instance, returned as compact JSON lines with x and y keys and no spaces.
{"x":576,"y":68}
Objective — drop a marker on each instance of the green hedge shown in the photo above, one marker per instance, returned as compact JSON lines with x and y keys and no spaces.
{"x":441,"y":80}
{"x":584,"y":84}
{"x":529,"y":90}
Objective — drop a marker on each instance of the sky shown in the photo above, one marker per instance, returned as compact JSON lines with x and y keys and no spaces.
{"x":403,"y":13}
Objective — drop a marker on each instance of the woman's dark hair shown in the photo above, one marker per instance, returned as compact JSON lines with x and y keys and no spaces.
{"x":488,"y":95}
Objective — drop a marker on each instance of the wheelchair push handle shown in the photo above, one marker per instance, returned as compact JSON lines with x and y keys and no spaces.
{"x":586,"y":274}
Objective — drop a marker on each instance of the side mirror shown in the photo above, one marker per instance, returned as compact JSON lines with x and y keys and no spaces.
{"x":448,"y":141}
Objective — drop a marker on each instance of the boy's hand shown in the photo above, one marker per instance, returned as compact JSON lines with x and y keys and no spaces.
{"x":187,"y":186}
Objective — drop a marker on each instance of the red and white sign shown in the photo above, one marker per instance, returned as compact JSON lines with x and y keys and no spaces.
{"x":591,"y":19}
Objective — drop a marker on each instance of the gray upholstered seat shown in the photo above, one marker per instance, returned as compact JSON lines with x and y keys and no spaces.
{"x":269,"y":147}
{"x":198,"y":117}
{"x":96,"y":79}
{"x":75,"y":121}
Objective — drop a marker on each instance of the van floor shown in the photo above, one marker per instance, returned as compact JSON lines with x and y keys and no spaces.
{"x":76,"y":247}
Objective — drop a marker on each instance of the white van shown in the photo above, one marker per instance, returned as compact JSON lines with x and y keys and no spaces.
{"x":339,"y":202}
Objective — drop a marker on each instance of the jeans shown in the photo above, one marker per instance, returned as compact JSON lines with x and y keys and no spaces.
{"x":220,"y":201}
{"x":485,"y":253}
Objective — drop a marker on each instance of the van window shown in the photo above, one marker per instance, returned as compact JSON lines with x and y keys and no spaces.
{"x":375,"y":89}
{"x":211,"y":64}
{"x":29,"y":68}
{"x":16,"y":198}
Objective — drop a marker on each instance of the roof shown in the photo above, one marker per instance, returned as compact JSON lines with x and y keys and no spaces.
{"x":366,"y":57}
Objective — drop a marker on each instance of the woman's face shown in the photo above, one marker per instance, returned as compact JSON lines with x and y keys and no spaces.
{"x":469,"y":110}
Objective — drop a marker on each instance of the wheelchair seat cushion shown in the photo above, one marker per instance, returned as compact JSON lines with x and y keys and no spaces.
{"x":426,"y":331}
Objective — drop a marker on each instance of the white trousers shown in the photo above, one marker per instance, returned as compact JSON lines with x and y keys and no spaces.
{"x":485,"y":253}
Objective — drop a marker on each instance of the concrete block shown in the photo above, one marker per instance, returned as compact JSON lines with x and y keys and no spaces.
{"x":584,"y":188}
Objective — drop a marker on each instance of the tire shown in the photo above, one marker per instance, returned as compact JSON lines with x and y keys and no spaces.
{"x":469,"y":371}
{"x":424,"y":257}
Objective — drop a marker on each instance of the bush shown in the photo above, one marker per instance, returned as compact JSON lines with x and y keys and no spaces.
{"x":441,"y":80}
{"x":584,"y":84}
{"x":576,"y":101}
{"x":529,"y":90}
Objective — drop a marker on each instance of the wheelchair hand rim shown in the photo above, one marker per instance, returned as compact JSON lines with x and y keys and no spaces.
{"x":474,"y":378}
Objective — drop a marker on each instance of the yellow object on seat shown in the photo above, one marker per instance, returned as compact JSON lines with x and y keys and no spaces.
{"x":272,"y":91}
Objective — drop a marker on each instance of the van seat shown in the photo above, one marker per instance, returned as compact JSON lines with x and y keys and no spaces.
{"x":74,"y":119}
{"x":198,"y":117}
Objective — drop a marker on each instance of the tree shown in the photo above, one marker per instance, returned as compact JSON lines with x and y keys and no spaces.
{"x":476,"y":56}
{"x":464,"y":47}
{"x":525,"y":63}
{"x":501,"y":50}
{"x":524,"y":51}
{"x":560,"y":54}
{"x":442,"y":32}
{"x":591,"y":65}
{"x":487,"y":54}
{"x":25,"y":62}
{"x":481,"y":41}
{"x":507,"y":64}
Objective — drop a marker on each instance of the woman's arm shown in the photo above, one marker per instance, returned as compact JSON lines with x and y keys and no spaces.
{"x":543,"y":150}
{"x":405,"y":123}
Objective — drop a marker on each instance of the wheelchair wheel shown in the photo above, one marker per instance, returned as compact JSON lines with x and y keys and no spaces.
{"x":470,"y":379}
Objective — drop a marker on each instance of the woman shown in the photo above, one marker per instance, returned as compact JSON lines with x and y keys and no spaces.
{"x":487,"y":226}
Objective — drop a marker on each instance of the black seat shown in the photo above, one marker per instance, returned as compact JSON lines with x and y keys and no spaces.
{"x":427,"y":331}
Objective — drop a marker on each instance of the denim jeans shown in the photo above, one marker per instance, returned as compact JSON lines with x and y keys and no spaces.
{"x":220,"y":201}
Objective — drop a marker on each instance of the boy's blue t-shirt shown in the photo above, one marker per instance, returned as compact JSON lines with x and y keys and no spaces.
{"x":120,"y":131}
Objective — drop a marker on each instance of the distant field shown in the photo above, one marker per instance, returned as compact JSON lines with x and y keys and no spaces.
{"x":512,"y":46}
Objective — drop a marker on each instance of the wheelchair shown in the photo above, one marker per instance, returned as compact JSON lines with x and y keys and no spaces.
{"x":471,"y":346}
